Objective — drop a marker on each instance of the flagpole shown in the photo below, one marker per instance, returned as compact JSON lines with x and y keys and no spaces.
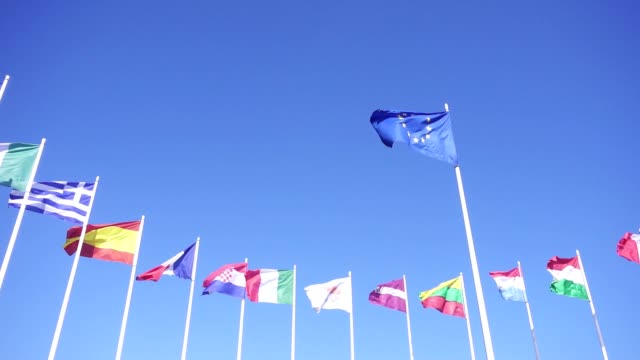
{"x":353,"y":356}
{"x":293,"y":318}
{"x":526,"y":301}
{"x":466,"y":315}
{"x":406,"y":303}
{"x":239,"y":355}
{"x":486,"y":334}
{"x":72,"y":276}
{"x":4,"y":86}
{"x":23,"y":206}
{"x":125,"y":315}
{"x":593,"y":309}
{"x":193,"y":279}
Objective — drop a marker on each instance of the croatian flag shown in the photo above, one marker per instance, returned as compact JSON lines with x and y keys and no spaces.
{"x":229,"y":279}
{"x":510,"y":284}
{"x":181,"y":265}
{"x":391,"y":295}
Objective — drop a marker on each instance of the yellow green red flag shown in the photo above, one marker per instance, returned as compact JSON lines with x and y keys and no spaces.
{"x":446,"y":298}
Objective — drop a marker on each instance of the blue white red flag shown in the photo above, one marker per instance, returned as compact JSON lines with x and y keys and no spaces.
{"x":228,"y":279}
{"x":510,"y":284}
{"x":181,"y":265}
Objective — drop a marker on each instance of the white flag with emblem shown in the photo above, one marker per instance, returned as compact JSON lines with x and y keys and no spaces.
{"x":335,"y":294}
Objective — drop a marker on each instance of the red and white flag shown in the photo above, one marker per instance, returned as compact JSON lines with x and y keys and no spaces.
{"x":628,"y":247}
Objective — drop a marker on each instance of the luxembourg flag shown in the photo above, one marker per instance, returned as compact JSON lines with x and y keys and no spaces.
{"x":181,"y":265}
{"x":510,"y":284}
{"x":228,"y":279}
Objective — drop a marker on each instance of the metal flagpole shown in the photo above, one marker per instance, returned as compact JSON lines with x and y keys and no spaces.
{"x":72,"y":276}
{"x":466,"y":315}
{"x":4,"y":86}
{"x":239,"y":356}
{"x":526,"y":301}
{"x":193,"y":279}
{"x":125,"y":316}
{"x":593,"y":309}
{"x":23,"y":206}
{"x":406,"y":303}
{"x":293,"y":318}
{"x":486,"y":334}
{"x":353,"y":356}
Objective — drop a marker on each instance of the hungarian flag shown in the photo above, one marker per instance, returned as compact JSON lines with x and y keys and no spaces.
{"x":181,"y":265}
{"x":628,"y":247}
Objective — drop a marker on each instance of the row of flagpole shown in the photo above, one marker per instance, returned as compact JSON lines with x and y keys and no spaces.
{"x":470,"y":242}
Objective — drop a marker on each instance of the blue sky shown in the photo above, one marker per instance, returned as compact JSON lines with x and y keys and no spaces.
{"x":247,"y":124}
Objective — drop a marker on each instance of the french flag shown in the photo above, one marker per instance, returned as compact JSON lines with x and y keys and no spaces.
{"x":181,"y":265}
{"x":510,"y":284}
{"x":228,"y":279}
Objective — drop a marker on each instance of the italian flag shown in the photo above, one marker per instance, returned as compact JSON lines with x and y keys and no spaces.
{"x":568,"y":277}
{"x":270,"y":286}
{"x":16,"y":163}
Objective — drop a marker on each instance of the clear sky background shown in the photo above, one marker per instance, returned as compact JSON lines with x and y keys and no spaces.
{"x":247,"y":124}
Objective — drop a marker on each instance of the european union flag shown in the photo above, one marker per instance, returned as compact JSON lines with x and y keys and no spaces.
{"x":427,"y":133}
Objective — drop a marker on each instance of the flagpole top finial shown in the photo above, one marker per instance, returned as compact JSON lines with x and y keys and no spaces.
{"x":446,"y":107}
{"x":6,"y":77}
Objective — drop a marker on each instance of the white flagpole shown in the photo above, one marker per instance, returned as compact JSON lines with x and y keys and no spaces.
{"x":486,"y":334}
{"x":23,"y":206}
{"x":353,"y":356}
{"x":132,"y":279}
{"x":72,"y":276}
{"x":239,"y":355}
{"x":4,"y":86}
{"x":466,"y":315}
{"x":293,"y":318}
{"x":593,"y":309}
{"x":406,"y":303}
{"x":193,"y":279}
{"x":526,"y":301}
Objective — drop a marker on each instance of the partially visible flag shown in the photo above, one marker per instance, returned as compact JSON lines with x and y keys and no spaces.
{"x":111,"y":242}
{"x":335,"y":294}
{"x":181,"y":265}
{"x":568,"y":277}
{"x":228,"y":279}
{"x":391,"y":294}
{"x":65,"y":200}
{"x":628,"y":247}
{"x":510,"y":284}
{"x":270,"y":286}
{"x":16,"y":162}
{"x":427,"y":133}
{"x":446,"y":298}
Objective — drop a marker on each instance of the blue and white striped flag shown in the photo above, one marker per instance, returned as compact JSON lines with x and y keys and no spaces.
{"x":63,"y":199}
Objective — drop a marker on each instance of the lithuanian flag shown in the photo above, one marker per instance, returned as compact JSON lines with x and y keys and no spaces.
{"x":446,"y":298}
{"x":110,"y":242}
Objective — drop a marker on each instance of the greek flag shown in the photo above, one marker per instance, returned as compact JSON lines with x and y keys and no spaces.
{"x":63,"y":199}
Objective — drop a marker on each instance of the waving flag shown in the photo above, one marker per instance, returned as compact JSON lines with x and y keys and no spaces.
{"x":428,"y":133}
{"x":446,"y":298}
{"x":391,"y":295}
{"x":270,"y":286}
{"x":228,"y":279}
{"x":111,"y":242}
{"x":65,"y":200}
{"x":335,"y":294}
{"x":568,"y":277}
{"x":181,"y":265}
{"x":628,"y":247}
{"x":16,"y":162}
{"x":510,"y":284}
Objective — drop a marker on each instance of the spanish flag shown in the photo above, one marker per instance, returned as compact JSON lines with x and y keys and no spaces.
{"x":110,"y":242}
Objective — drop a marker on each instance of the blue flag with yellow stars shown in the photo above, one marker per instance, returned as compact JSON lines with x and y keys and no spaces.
{"x":427,"y":133}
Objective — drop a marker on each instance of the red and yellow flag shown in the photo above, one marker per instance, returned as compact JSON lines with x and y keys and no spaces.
{"x":110,"y":242}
